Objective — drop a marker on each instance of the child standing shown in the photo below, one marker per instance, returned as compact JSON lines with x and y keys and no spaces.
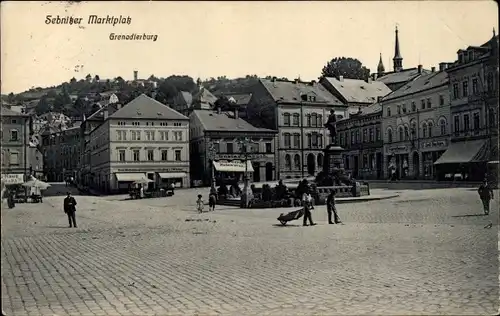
{"x":199,"y":204}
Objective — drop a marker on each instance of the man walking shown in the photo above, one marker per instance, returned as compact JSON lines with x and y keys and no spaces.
{"x":331,"y":208}
{"x":70,"y":209}
{"x":307,"y":204}
{"x":486,"y":195}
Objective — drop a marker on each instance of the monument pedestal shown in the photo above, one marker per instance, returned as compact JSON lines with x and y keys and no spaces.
{"x":333,"y":161}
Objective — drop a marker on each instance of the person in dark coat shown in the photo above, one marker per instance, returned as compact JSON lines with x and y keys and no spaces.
{"x":486,"y":195}
{"x":70,"y":209}
{"x":212,"y":201}
{"x":331,"y":208}
{"x":307,"y":204}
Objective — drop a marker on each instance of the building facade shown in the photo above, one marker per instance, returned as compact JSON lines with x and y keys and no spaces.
{"x":144,"y":139}
{"x":298,"y":111}
{"x":222,"y":131}
{"x":416,"y":126}
{"x":473,"y":91}
{"x":361,"y":137}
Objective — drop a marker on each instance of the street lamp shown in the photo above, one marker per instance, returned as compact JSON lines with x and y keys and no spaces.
{"x":247,"y":193}
{"x":212,"y":153}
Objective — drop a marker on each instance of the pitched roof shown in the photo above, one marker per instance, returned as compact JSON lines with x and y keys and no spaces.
{"x":204,"y":96}
{"x":401,"y":76}
{"x":422,"y":83}
{"x":144,"y":107}
{"x":374,"y":108}
{"x":240,"y":98}
{"x":291,"y":92}
{"x":187,"y":97}
{"x":359,"y":91}
{"x":225,"y":121}
{"x":8,"y":112}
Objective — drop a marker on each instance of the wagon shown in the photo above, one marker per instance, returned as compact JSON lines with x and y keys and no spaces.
{"x":285,"y":218}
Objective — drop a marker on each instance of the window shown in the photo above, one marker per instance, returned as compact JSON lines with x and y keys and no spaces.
{"x":424,"y":130}
{"x":365,"y":161}
{"x":269,"y":148}
{"x":121,"y":155}
{"x":429,"y":103}
{"x":365,"y":135}
{"x":430,"y":128}
{"x":136,"y":123}
{"x":151,"y":155}
{"x":14,"y":158}
{"x":377,"y":133}
{"x":399,"y":109}
{"x":296,"y":140}
{"x":179,"y":135}
{"x":441,"y":99}
{"x":296,"y":161}
{"x":466,"y":122}
{"x":148,"y":135}
{"x":341,"y":139}
{"x":136,"y":155}
{"x":119,"y":135}
{"x":14,"y":135}
{"x":371,"y":134}
{"x":164,"y":155}
{"x":474,"y":87}
{"x":320,"y":120}
{"x":407,"y":133}
{"x":442,"y":126}
{"x":456,"y":124}
{"x":308,"y":120}
{"x":422,"y":104}
{"x":309,"y":140}
{"x":413,"y":106}
{"x":489,"y":82}
{"x":352,"y":137}
{"x":388,"y":111}
{"x":475,"y":121}
{"x":389,"y":136}
{"x":465,"y":88}
{"x":177,"y":155}
{"x":491,"y":118}
{"x":163,"y":124}
{"x":286,"y":140}
{"x":177,"y":124}
{"x":314,"y":119}
{"x":314,"y":141}
{"x":286,"y":119}
{"x":455,"y":91}
{"x":401,"y":133}
{"x":288,"y":162}
{"x":413,"y":130}
{"x":296,"y":119}
{"x":229,"y":148}
{"x":358,"y":137}
{"x":404,"y":108}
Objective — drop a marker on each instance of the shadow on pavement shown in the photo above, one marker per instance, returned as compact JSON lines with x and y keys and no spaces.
{"x":469,"y":215}
{"x":287,"y":225}
{"x":50,"y":226}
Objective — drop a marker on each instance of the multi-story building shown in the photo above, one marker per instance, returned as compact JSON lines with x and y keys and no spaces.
{"x":361,"y":137}
{"x":223,"y":130}
{"x":355,"y":93}
{"x":399,"y":76}
{"x":416,"y":125}
{"x":15,"y":146}
{"x":61,"y":147}
{"x":473,"y":91}
{"x":143,"y":139}
{"x":298,"y":111}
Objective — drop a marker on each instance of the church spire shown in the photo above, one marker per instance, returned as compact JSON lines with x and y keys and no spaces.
{"x":397,"y":60}
{"x":380,"y":67}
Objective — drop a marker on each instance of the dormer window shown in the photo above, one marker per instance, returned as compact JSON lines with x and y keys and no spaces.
{"x":460,"y":57}
{"x":303,"y":97}
{"x":471,"y":55}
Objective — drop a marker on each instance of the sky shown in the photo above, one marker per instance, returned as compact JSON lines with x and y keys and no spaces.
{"x":233,"y":39}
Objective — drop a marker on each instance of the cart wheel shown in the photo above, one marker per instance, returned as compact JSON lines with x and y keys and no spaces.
{"x":283,"y":222}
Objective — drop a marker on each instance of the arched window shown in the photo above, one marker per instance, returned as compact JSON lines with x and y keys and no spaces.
{"x":442,"y":126}
{"x":424,"y":130}
{"x":296,"y":161}
{"x":413,"y":130}
{"x":296,"y":121}
{"x":308,"y":116}
{"x":320,"y":160}
{"x":286,"y":119}
{"x":389,"y":135}
{"x":288,"y":162}
{"x":320,"y":120}
{"x":413,"y":106}
{"x":430,"y":127}
{"x":388,"y":111}
{"x":314,"y":120}
{"x":407,"y":133}
{"x":401,"y":133}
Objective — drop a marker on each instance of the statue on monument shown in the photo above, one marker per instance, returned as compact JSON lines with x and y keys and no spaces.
{"x":331,"y":125}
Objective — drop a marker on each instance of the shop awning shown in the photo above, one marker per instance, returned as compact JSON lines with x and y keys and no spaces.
{"x":130,"y":177}
{"x":463,"y":152}
{"x":233,"y":166}
{"x":172,"y":175}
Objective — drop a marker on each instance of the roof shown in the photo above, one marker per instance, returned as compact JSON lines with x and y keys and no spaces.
{"x":204,"y":96}
{"x":424,"y":82}
{"x":240,"y":98}
{"x":359,"y":91}
{"x":225,"y":121}
{"x":374,"y":108}
{"x":144,"y":107}
{"x":187,"y":97}
{"x":291,"y":92}
{"x":8,"y":112}
{"x":404,"y":75}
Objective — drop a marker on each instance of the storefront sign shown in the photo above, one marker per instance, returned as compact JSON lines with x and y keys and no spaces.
{"x":435,"y":143}
{"x":13,"y":178}
{"x":238,"y":156}
{"x":396,"y":149}
{"x":154,"y":170}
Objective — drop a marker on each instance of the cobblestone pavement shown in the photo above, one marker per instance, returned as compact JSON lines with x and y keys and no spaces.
{"x":425,"y":252}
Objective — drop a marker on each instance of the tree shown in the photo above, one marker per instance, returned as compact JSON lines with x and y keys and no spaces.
{"x":350,"y":68}
{"x":88,"y":77}
{"x":11,"y":98}
{"x":73,"y":80}
{"x":97,"y":78}
{"x":42,"y":107}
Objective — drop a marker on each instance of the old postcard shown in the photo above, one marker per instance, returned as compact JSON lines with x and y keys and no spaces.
{"x":249,"y":158}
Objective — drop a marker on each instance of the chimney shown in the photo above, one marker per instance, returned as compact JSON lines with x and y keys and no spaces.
{"x":341,"y":78}
{"x":419,"y":69}
{"x":296,"y":81}
{"x":443,"y":66}
{"x":136,"y":75}
{"x":312,"y":83}
{"x":433,"y":69}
